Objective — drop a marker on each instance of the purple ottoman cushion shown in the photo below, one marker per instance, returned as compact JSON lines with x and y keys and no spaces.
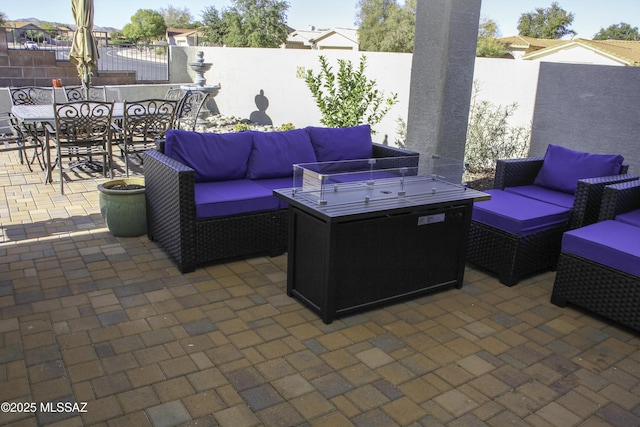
{"x":610,"y":243}
{"x":517,"y":214}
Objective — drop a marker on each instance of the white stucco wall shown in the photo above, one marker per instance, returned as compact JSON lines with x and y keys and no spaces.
{"x":243,"y":72}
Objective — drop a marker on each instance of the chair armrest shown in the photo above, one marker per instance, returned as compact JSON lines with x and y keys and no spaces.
{"x":619,"y":198}
{"x":516,"y":172}
{"x":171,"y":210}
{"x":589,"y":197}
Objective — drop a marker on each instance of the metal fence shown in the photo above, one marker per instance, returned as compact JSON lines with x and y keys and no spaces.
{"x":149,"y":63}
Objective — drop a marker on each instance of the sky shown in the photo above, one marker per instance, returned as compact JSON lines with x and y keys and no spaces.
{"x":589,"y":15}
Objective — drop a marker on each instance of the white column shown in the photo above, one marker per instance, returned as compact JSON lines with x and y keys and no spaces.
{"x":442,"y":76}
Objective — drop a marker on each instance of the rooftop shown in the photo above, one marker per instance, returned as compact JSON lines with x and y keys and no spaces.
{"x":88,"y":317}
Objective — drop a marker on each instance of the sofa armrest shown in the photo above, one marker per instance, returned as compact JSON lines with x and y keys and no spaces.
{"x":619,"y":198}
{"x":589,"y":198}
{"x":516,"y":172}
{"x":409,"y":159}
{"x":170,"y":198}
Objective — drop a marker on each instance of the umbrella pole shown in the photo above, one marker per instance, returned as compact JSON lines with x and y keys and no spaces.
{"x":85,"y":83}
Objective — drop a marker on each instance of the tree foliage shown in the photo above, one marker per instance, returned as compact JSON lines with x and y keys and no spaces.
{"x":347,"y":98}
{"x":550,"y":23}
{"x":385,"y":26}
{"x":247,"y":23}
{"x":488,"y":44}
{"x":621,"y":31}
{"x":145,"y":25}
{"x":176,"y":17}
{"x":3,"y":18}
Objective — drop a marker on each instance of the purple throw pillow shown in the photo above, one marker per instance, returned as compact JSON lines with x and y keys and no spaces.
{"x":331,"y":144}
{"x":563,"y":167}
{"x":213,"y":156}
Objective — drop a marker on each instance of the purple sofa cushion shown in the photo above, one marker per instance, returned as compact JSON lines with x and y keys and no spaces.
{"x":349,"y":143}
{"x":563,"y":167}
{"x":517,"y":214}
{"x":213,"y":156}
{"x":226,"y":198}
{"x":610,"y":243}
{"x":543,"y":194}
{"x":276,"y":184}
{"x":274,"y":153}
{"x":631,"y":218}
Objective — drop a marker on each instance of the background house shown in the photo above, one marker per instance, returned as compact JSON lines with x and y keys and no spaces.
{"x":577,"y":51}
{"x":335,"y":39}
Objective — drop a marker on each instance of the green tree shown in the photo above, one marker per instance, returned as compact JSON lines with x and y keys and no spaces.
{"x":247,"y":23}
{"x":621,"y":31}
{"x":385,"y":26}
{"x":175,"y":17}
{"x":550,"y":23}
{"x":348,"y":98}
{"x":3,"y":18}
{"x":488,"y":44}
{"x":50,"y":29}
{"x":212,"y":26}
{"x":145,"y":25}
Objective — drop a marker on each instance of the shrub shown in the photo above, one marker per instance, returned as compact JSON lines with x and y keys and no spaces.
{"x":348,"y":98}
{"x":489,"y":135}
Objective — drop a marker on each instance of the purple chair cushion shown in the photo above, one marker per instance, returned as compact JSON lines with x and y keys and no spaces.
{"x":213,"y":156}
{"x":226,"y":198}
{"x":543,"y":194}
{"x":563,"y":167}
{"x":631,"y":218}
{"x":274,"y":153}
{"x":349,"y":143}
{"x":610,"y":243}
{"x":517,"y":214}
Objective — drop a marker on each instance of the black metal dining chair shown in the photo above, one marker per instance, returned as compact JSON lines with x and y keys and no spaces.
{"x":144,"y":123}
{"x":32,"y":95}
{"x":189,"y":109}
{"x":76,"y":93}
{"x":82,"y":129}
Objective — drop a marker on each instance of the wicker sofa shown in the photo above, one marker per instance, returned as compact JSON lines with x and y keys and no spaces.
{"x":599,"y":265}
{"x":518,"y":232}
{"x":210,"y":196}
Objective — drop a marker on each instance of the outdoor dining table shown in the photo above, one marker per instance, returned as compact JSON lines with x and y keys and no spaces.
{"x":45,"y":114}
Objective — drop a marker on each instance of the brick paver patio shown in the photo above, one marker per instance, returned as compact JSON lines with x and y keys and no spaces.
{"x":111,"y":328}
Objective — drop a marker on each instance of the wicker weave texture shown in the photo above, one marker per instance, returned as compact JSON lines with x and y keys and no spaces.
{"x":171,"y":217}
{"x":620,"y":198}
{"x":597,"y":288}
{"x":512,"y":256}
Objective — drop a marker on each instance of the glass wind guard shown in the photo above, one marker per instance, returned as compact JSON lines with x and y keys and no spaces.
{"x":365,"y":180}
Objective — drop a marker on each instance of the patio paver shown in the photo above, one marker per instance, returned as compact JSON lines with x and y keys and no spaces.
{"x":88,"y":317}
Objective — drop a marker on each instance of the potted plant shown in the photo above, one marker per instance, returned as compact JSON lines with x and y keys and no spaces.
{"x":123,"y":206}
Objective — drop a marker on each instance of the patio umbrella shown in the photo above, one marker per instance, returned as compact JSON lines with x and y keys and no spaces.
{"x":84,"y":50}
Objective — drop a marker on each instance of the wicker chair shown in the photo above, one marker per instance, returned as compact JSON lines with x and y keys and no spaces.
{"x":513,"y":256}
{"x":604,"y":280}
